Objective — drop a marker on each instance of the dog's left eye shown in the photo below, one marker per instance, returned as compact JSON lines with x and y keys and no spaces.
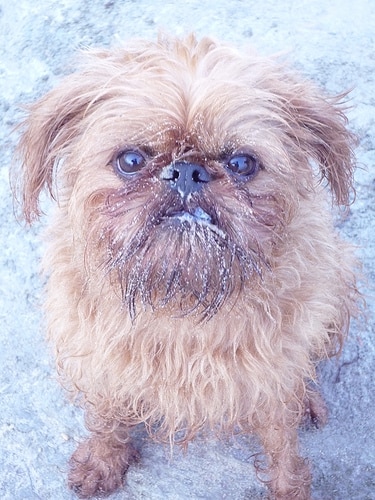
{"x":129,"y":162}
{"x":243,"y":164}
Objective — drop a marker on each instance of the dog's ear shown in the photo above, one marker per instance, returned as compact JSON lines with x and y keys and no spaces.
{"x":51,"y":126}
{"x":46,"y":132}
{"x":323,"y":136}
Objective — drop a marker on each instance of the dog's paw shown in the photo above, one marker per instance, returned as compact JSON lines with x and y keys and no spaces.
{"x":98,"y":467}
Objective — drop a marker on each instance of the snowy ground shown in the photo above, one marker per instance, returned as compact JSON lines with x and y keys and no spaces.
{"x":331,"y":42}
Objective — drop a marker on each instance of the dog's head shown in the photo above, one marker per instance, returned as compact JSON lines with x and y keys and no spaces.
{"x":180,"y":165}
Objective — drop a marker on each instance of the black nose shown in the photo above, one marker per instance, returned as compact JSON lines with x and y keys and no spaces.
{"x":185,"y":177}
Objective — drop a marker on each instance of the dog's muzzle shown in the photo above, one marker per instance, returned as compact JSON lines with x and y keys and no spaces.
{"x":185,"y":177}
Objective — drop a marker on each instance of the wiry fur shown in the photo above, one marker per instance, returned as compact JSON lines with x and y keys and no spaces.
{"x":191,"y":325}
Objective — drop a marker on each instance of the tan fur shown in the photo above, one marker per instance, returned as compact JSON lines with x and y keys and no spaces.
{"x":192,"y":326}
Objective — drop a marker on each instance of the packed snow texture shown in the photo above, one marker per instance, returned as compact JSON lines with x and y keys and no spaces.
{"x":331,"y":42}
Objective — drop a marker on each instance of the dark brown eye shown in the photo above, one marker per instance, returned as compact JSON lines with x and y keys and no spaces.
{"x":243,"y":164}
{"x":129,"y":162}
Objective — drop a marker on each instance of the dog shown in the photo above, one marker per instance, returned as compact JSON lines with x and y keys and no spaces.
{"x":195,"y":277}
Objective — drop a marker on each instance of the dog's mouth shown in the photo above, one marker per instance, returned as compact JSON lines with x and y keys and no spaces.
{"x":184,"y":255}
{"x":189,"y":218}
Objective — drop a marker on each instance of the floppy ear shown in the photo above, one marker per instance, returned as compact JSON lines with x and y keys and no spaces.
{"x":49,"y":127}
{"x":323,"y":136}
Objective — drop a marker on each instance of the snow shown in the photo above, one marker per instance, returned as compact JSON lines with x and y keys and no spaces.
{"x":331,"y":42}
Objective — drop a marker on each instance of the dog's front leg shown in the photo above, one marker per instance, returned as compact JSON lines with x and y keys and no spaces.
{"x":99,"y":464}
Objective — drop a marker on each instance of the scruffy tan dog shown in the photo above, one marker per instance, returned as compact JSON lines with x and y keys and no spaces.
{"x":194,"y":275}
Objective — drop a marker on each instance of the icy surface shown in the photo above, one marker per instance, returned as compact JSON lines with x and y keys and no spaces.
{"x":331,"y":42}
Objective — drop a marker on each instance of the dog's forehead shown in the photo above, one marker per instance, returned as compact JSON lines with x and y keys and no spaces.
{"x":206,"y":95}
{"x":211,"y":99}
{"x":194,"y":117}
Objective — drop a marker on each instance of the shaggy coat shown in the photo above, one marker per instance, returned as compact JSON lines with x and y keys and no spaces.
{"x":188,"y":312}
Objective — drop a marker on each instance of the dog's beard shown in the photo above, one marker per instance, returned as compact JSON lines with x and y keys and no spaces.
{"x":189,"y":257}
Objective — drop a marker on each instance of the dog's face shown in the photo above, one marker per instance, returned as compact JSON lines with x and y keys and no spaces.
{"x":180,"y":166}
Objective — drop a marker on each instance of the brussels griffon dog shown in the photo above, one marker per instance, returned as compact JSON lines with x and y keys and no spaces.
{"x":195,"y":278}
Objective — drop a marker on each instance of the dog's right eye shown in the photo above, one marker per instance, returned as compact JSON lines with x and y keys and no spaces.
{"x":129,"y":162}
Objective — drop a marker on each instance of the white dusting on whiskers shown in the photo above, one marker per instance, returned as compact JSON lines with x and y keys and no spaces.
{"x":199,"y":216}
